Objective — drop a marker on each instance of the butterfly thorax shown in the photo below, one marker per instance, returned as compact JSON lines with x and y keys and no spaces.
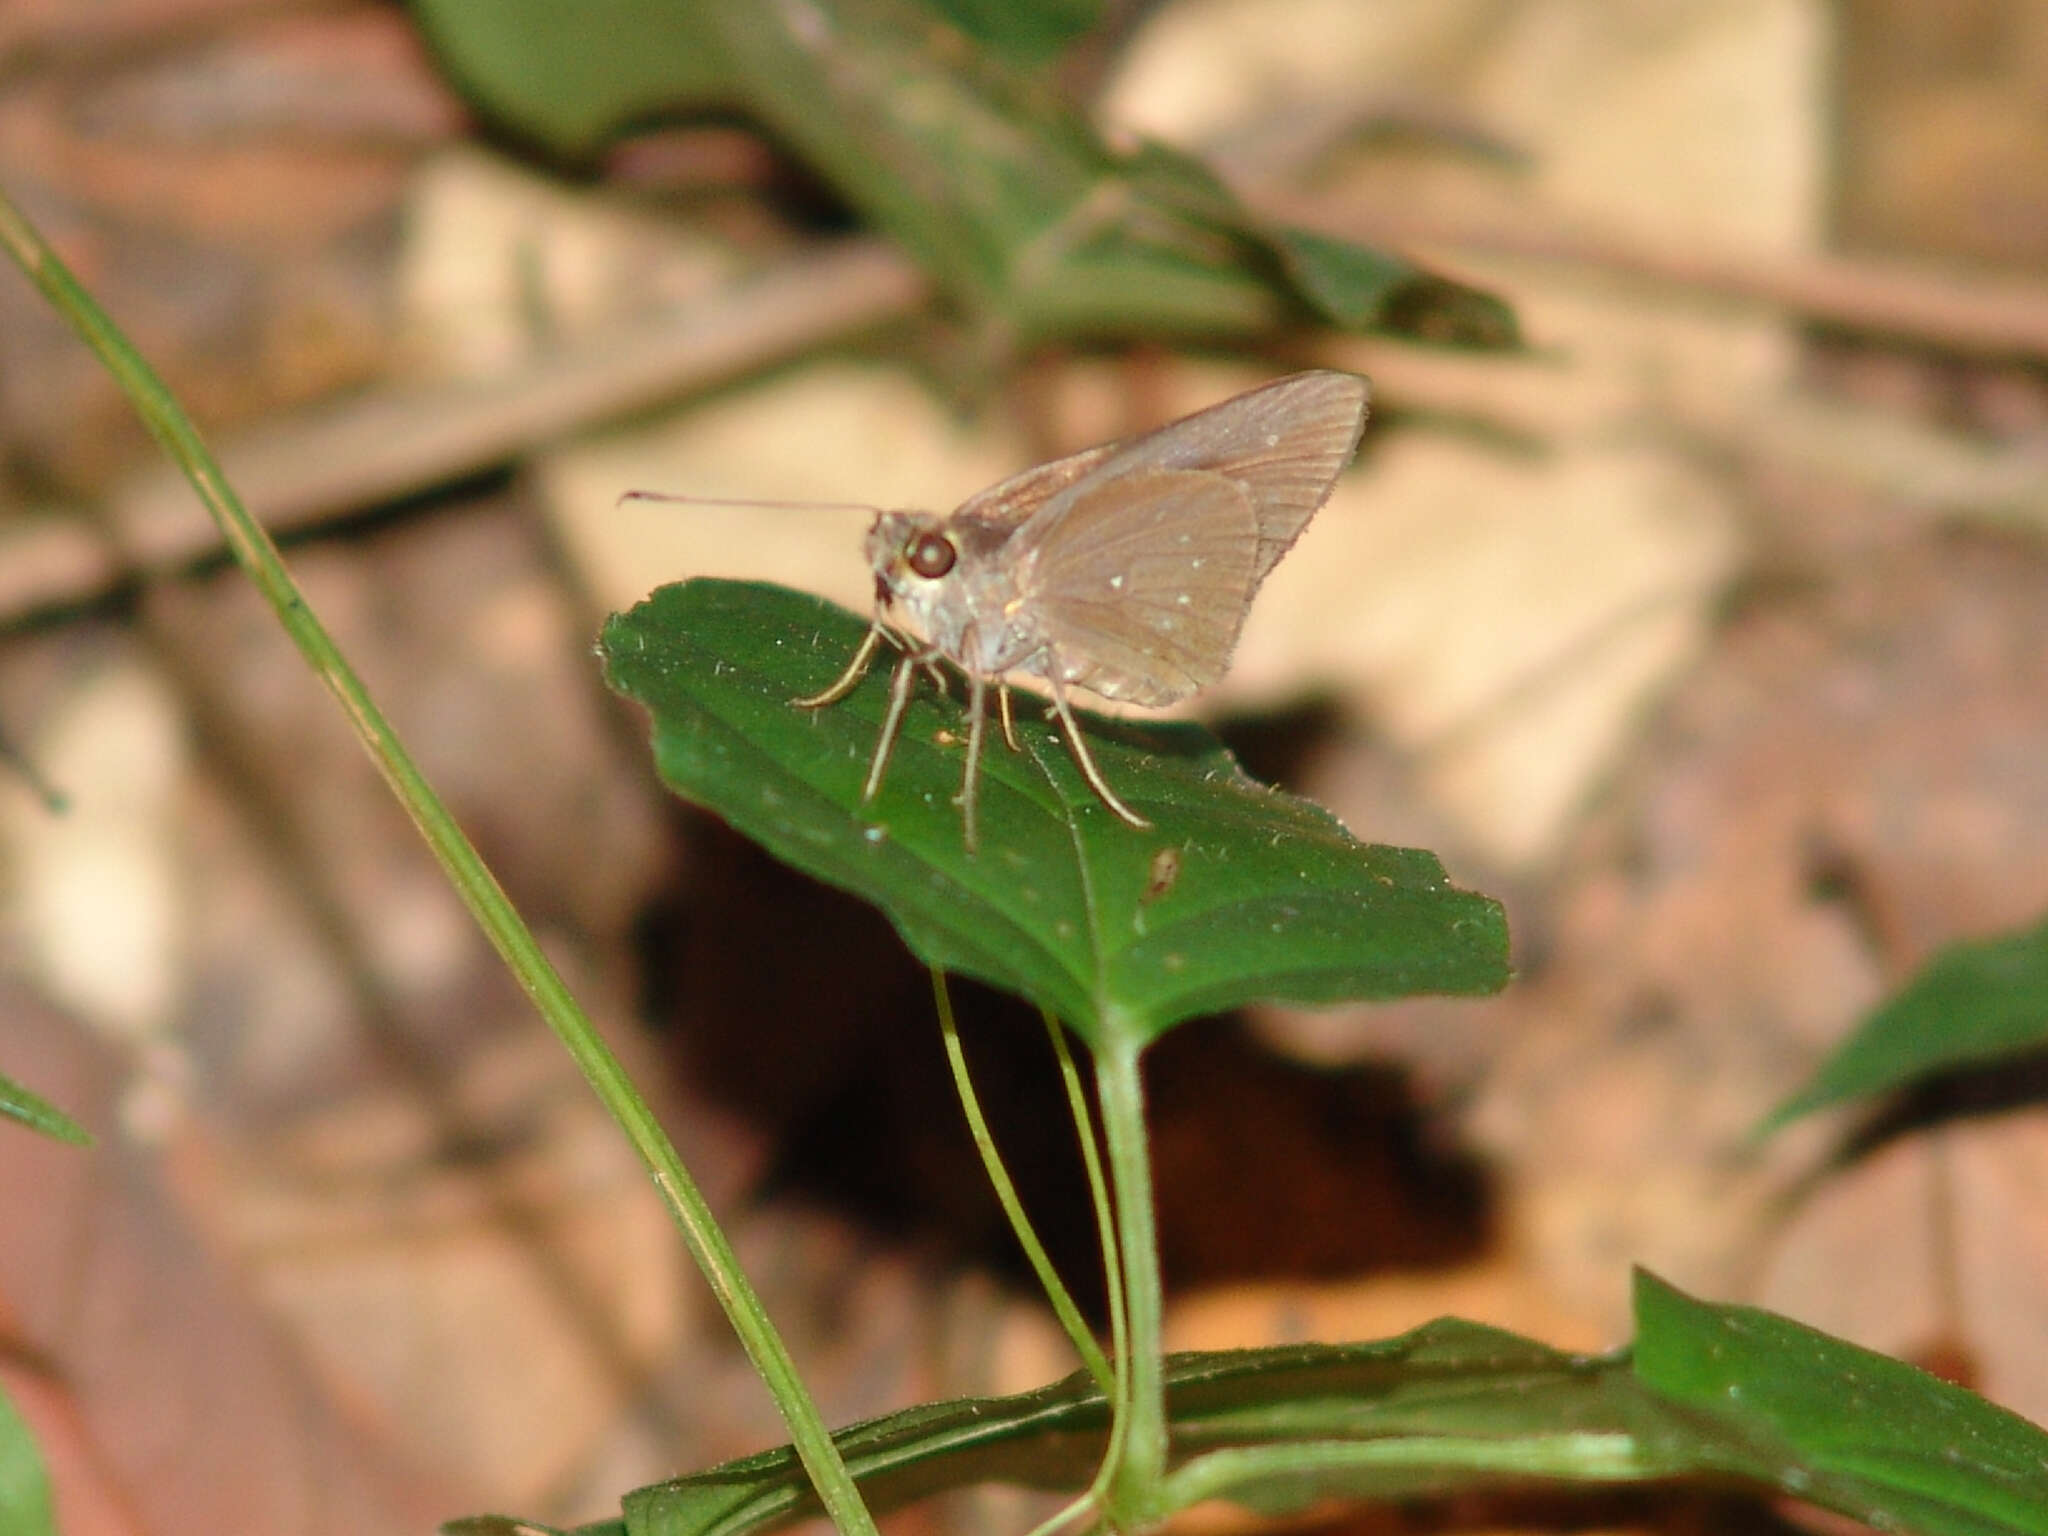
{"x":956,"y":582}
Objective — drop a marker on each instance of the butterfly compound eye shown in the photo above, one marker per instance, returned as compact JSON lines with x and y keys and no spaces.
{"x":931,"y":555}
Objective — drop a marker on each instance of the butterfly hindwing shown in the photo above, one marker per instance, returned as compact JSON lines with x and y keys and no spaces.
{"x":1141,"y":585}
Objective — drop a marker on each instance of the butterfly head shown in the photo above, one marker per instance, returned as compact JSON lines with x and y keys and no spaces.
{"x":911,"y":554}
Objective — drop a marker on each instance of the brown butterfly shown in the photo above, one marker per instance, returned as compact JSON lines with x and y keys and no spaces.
{"x":1125,"y":569}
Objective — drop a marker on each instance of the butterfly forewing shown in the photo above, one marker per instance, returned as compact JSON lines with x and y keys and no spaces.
{"x":1142,"y":582}
{"x":1010,"y":503}
{"x":1285,"y":444}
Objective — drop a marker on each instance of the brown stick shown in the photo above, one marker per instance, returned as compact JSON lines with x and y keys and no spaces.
{"x":1985,"y":317}
{"x":396,"y":441}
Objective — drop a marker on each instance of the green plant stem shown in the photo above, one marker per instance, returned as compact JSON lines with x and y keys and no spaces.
{"x":1098,"y":1183}
{"x":253,"y":550}
{"x":1136,"y":1481}
{"x":38,"y":1113}
{"x":1566,"y":1456}
{"x":1006,"y":1195}
{"x":1112,"y":1268}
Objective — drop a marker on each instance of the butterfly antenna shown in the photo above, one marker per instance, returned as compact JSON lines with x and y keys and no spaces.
{"x":747,"y":501}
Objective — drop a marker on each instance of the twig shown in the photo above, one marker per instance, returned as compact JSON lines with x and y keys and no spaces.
{"x":396,"y":441}
{"x":301,"y":469}
{"x":1981,"y":317}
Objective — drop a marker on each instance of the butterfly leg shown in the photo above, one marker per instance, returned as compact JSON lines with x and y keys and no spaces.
{"x":1009,"y":725}
{"x":977,"y":722}
{"x":899,"y":700}
{"x":855,"y":670}
{"x":1079,"y":744}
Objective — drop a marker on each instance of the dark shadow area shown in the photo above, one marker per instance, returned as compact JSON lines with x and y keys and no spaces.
{"x":1676,"y":1509}
{"x":2009,"y":1084}
{"x":1837,"y":877}
{"x":798,"y":1008}
{"x":1276,"y":746}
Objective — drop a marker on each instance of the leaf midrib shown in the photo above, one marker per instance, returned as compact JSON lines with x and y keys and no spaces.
{"x":1097,"y":988}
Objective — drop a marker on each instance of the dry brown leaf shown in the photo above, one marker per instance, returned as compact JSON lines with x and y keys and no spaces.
{"x":1884,"y":738}
{"x":499,"y":265}
{"x":198,"y":1412}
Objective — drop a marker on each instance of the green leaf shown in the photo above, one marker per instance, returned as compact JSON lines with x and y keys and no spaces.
{"x":1051,"y":1438}
{"x":1452,"y":1407}
{"x":38,"y":1113}
{"x":1972,"y":1003}
{"x":1363,"y":289}
{"x":1708,"y":1392}
{"x":953,"y":142}
{"x":1851,"y":1429}
{"x":1062,"y":902}
{"x":1027,"y":34}
{"x":24,"y":1485}
{"x":1449,"y":1407}
{"x":571,"y":77}
{"x":1502,"y":1401}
